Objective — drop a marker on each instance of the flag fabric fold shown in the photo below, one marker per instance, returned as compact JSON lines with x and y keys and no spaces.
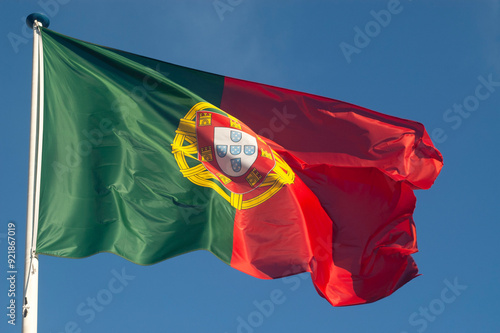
{"x":149,"y":160}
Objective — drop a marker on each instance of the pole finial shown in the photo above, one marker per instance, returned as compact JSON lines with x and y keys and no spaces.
{"x":40,"y":18}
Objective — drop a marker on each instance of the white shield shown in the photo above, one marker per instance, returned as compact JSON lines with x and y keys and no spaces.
{"x":240,"y":150}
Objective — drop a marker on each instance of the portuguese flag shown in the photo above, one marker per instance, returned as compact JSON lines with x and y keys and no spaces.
{"x":149,"y":160}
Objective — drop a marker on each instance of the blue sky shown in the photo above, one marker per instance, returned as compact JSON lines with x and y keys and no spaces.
{"x":436,"y":62}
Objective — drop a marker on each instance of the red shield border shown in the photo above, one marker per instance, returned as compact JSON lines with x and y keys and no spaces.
{"x":206,"y":121}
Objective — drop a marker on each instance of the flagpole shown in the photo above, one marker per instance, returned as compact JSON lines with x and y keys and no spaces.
{"x":30,"y":290}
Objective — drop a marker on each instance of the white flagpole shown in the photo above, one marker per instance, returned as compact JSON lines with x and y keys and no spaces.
{"x":30,"y":297}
